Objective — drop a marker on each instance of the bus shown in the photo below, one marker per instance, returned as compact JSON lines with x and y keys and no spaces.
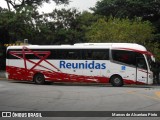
{"x":115,"y":63}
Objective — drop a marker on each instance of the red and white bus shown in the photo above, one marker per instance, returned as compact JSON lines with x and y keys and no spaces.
{"x":115,"y":63}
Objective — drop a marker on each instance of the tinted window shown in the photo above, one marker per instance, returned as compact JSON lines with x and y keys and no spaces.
{"x":37,"y":53}
{"x":95,"y":54}
{"x":141,"y":63}
{"x":17,"y":53}
{"x":140,"y":60}
{"x":127,"y":57}
{"x":70,"y":54}
{"x":10,"y":56}
{"x":130,"y":58}
{"x":32,"y":56}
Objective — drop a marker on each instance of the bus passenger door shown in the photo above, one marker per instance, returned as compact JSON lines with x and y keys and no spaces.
{"x":141,"y":71}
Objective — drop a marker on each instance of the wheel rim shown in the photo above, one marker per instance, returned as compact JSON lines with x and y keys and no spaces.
{"x":39,"y":79}
{"x":117,"y":80}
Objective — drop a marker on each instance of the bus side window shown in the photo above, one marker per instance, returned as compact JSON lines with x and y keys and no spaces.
{"x":11,"y":56}
{"x":89,"y":55}
{"x":53,"y":54}
{"x":123,"y":56}
{"x":140,"y":61}
{"x":86,"y":54}
{"x":72,"y":55}
{"x":69,"y":54}
{"x":96,"y":54}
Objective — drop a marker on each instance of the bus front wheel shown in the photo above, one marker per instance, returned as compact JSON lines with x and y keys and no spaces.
{"x":39,"y":79}
{"x":116,"y":81}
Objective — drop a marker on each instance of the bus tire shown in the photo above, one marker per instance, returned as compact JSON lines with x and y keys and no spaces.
{"x":116,"y":81}
{"x":39,"y":79}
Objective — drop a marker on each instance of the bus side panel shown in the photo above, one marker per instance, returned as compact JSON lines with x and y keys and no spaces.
{"x":128,"y":73}
{"x":98,"y":71}
{"x":59,"y":70}
{"x":15,"y":69}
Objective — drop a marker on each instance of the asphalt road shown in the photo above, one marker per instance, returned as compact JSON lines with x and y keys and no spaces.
{"x":24,"y":96}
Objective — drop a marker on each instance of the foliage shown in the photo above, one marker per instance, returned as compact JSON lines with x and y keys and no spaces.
{"x":86,"y":18}
{"x":63,"y":18}
{"x":18,"y":24}
{"x":63,"y":25}
{"x":58,"y":27}
{"x":120,"y":30}
{"x":147,"y":9}
{"x":129,"y":23}
{"x":124,"y":30}
{"x":19,"y":4}
{"x":83,"y":21}
{"x":154,"y":48}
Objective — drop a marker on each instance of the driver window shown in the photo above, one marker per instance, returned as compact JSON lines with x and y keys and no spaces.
{"x":141,"y":63}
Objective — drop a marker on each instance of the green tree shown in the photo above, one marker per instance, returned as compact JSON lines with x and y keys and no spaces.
{"x":21,"y":24}
{"x":69,"y":26}
{"x":19,"y":4}
{"x":63,"y":24}
{"x":83,"y":21}
{"x":5,"y":21}
{"x":147,"y":9}
{"x":26,"y":22}
{"x":120,"y":30}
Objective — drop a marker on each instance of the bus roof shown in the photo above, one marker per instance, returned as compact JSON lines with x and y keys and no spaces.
{"x":115,"y":45}
{"x":126,"y":46}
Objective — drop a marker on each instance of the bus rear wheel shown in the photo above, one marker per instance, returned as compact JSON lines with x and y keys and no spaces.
{"x":39,"y":78}
{"x":116,"y":81}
